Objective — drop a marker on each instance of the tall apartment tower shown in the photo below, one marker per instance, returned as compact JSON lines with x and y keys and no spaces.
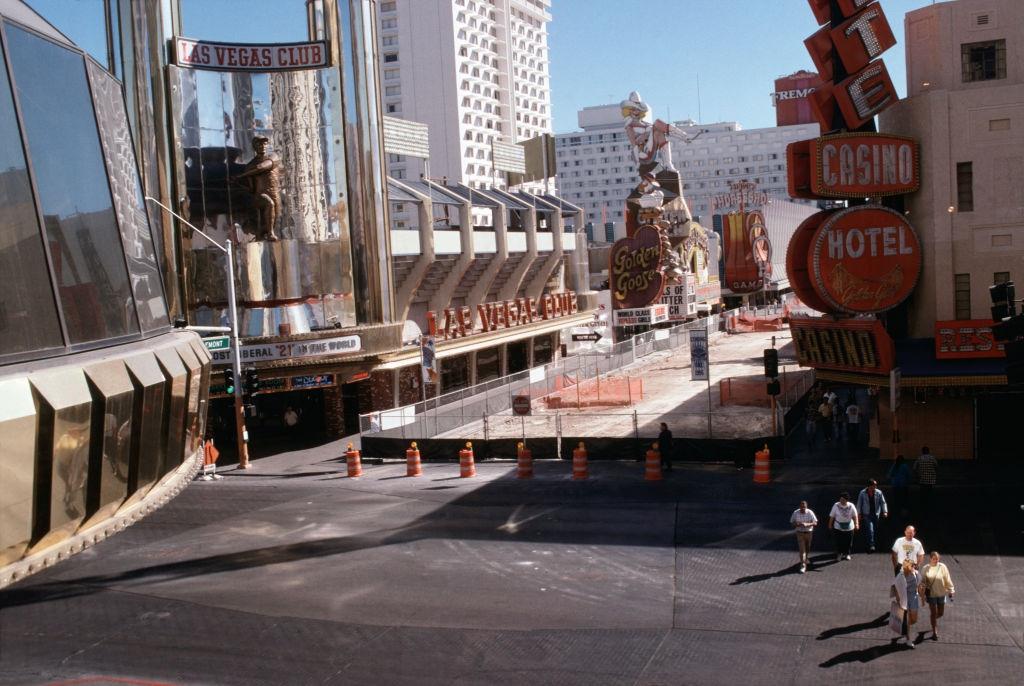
{"x":473,"y":71}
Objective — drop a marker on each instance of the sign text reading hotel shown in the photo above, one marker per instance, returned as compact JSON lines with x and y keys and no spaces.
{"x":250,"y":57}
{"x":459,"y":322}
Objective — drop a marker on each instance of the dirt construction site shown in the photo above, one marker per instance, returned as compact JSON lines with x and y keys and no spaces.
{"x":660,"y":390}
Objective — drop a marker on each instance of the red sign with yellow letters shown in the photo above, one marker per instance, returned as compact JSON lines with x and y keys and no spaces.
{"x":966,"y":338}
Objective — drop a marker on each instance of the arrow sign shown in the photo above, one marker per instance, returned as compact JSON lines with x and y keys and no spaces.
{"x":595,"y":337}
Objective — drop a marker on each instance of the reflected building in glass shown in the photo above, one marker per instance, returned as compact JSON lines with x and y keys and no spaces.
{"x":102,"y":402}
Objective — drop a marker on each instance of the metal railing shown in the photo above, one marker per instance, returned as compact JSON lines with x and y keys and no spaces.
{"x":476,"y":407}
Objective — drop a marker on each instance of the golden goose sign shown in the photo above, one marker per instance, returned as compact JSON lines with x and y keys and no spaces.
{"x":634,"y":270}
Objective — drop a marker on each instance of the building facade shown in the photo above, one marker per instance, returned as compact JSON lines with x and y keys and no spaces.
{"x":102,"y":403}
{"x":474,"y":71}
{"x":965,"y":105}
{"x":596,"y":169}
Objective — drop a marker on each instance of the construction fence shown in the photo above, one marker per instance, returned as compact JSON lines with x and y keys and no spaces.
{"x":574,"y":377}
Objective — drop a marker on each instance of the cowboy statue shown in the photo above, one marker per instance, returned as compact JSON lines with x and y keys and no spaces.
{"x":650,"y":142}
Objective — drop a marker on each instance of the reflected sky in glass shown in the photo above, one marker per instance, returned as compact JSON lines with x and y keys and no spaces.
{"x":80,"y":20}
{"x":253,"y":21}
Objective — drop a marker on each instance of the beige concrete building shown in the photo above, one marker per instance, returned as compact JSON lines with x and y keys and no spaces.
{"x":965,"y":105}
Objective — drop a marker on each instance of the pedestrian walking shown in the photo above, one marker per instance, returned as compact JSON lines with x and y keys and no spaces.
{"x":825,"y":419}
{"x":899,"y":479}
{"x":811,"y":426}
{"x":804,"y":520}
{"x":906,"y":594}
{"x":853,"y":424}
{"x":937,"y":585}
{"x":843,"y":522}
{"x":291,"y":420}
{"x":839,"y":418}
{"x":907,"y":547}
{"x":927,"y":470}
{"x":665,"y":445}
{"x":872,"y":507}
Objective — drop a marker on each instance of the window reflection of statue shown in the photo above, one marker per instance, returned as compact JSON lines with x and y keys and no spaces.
{"x":260,"y":176}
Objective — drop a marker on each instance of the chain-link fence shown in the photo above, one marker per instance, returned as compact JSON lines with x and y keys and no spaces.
{"x":484,"y":411}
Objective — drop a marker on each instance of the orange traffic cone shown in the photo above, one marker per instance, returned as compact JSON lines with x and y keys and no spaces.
{"x":524,"y":462}
{"x":762,"y":466}
{"x":467,"y":467}
{"x":652,"y":468}
{"x":413,"y":467}
{"x":579,"y":463}
{"x":355,"y":465}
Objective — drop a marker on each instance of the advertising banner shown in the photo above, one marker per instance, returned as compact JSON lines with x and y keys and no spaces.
{"x":699,"y":367}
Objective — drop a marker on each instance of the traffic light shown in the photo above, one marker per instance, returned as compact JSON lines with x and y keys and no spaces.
{"x":1003,"y":296}
{"x":252,"y":381}
{"x":229,"y":381}
{"x":771,"y":363}
{"x":774,"y":387}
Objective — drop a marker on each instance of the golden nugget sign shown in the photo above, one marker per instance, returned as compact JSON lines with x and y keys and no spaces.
{"x":634,"y":271}
{"x":249,"y":57}
{"x":459,"y":322}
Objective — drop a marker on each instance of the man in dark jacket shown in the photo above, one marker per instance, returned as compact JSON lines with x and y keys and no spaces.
{"x":665,"y":446}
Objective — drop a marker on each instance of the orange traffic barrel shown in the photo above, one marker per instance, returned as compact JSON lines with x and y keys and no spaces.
{"x":413,"y":467}
{"x":579,"y":463}
{"x":524,"y":462}
{"x":467,"y":467}
{"x":355,"y":464}
{"x":652,"y":467}
{"x":762,"y":466}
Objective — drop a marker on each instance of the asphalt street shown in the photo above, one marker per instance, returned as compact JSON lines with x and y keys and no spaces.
{"x":291,"y":573}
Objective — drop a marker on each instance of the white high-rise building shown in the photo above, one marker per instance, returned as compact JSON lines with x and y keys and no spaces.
{"x":596,"y":169}
{"x":473,"y":71}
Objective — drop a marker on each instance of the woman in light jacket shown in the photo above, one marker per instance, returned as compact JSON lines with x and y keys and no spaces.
{"x":936,"y":584}
{"x":906,"y":589}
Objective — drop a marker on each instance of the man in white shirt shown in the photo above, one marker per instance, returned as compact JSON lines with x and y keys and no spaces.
{"x":907,"y":548}
{"x":853,"y":423}
{"x":843,"y":521}
{"x":804,"y":521}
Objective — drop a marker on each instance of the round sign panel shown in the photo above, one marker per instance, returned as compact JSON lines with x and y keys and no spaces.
{"x":521,"y":405}
{"x":797,"y":263}
{"x":864,"y":259}
{"x":634,"y":269}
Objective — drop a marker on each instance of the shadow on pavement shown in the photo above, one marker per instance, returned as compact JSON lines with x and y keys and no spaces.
{"x":755,"y":578}
{"x":864,"y":655}
{"x":880,"y":621}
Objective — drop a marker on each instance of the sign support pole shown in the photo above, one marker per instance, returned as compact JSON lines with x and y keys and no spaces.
{"x":242,"y":436}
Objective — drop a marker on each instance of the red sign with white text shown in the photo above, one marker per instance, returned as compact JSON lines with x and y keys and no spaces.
{"x":966,"y":338}
{"x":853,"y":165}
{"x":864,"y":259}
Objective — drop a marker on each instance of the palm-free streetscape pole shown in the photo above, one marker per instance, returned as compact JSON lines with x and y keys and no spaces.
{"x":242,"y":435}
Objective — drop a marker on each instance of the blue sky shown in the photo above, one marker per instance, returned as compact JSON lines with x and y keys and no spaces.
{"x":602,"y":49}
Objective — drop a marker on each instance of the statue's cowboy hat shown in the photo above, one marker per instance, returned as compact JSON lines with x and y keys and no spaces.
{"x":634,"y":102}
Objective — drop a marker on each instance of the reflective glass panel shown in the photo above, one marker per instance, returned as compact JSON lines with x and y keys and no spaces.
{"x":63,"y":144}
{"x":83,"y":21}
{"x":28,"y":312}
{"x":253,"y":21}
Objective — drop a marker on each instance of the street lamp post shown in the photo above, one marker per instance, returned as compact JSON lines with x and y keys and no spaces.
{"x":242,"y":436}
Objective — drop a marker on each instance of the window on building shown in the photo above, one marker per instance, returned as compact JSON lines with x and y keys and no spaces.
{"x":962,"y":295}
{"x":983,"y":61}
{"x":1000,"y":277}
{"x":28,"y":312}
{"x":389,"y":24}
{"x":964,"y":187}
{"x":391,"y":57}
{"x":74,"y":193}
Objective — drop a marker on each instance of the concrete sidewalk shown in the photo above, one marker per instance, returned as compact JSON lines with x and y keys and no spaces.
{"x":292,"y":573}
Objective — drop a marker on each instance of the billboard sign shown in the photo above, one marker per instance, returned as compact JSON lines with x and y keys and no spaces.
{"x":199,"y":54}
{"x":699,"y":367}
{"x":635,"y":269}
{"x":856,"y":345}
{"x":864,"y":259}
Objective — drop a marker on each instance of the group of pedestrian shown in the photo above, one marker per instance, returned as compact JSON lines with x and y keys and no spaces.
{"x":833,"y":416}
{"x":915,"y":583}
